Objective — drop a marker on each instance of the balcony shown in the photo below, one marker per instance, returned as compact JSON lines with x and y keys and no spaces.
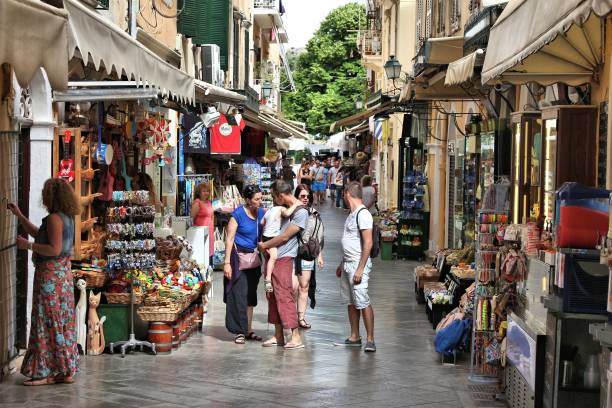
{"x":369,"y":42}
{"x":478,"y":26}
{"x":264,"y":9}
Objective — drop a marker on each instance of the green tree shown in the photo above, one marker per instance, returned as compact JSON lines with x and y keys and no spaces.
{"x":328,"y":73}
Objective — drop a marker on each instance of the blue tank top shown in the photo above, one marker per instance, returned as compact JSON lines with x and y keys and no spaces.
{"x":67,"y":240}
{"x":248,"y":228}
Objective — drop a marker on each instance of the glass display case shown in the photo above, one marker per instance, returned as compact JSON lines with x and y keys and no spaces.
{"x":570,"y":150}
{"x":527,"y":169}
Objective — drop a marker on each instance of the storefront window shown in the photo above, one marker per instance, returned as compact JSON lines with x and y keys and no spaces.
{"x":550,"y":128}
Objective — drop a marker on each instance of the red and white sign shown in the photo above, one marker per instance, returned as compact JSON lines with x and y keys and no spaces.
{"x":225,"y":138}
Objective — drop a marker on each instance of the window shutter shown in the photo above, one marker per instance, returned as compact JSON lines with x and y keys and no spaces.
{"x":247,"y":55}
{"x":188,"y":19}
{"x":213,"y":26}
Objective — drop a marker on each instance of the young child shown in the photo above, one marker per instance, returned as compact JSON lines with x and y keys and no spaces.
{"x":271,"y":228}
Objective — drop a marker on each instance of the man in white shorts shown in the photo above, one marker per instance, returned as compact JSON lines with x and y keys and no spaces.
{"x":354,"y":271}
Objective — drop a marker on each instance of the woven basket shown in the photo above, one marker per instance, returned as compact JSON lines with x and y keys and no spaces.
{"x":158,"y":314}
{"x":168,"y":253}
{"x":123,"y":298}
{"x":94,"y":279}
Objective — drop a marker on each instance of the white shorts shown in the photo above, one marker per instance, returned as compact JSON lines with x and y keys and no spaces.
{"x":355,"y":294}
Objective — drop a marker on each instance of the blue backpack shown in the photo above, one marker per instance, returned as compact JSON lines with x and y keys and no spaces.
{"x":453,"y":336}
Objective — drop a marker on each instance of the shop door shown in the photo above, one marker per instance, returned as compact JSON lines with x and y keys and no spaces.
{"x":13,"y":285}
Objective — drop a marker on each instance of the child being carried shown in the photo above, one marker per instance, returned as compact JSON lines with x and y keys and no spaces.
{"x":271,"y":228}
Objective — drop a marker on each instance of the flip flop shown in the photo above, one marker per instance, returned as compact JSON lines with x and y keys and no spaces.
{"x":272,"y":343}
{"x":304,"y":324}
{"x":239,"y":339}
{"x":253,"y":336}
{"x":41,"y":381}
{"x":293,"y":346}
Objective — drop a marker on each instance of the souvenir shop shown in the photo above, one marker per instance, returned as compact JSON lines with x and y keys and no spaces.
{"x":144,"y":271}
{"x":525,"y":300}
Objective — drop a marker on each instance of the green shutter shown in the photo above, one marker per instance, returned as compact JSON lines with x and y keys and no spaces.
{"x":213,"y":26}
{"x":247,"y":52}
{"x":188,"y":19}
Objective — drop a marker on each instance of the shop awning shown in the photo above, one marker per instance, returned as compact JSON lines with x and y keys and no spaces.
{"x":288,"y":127}
{"x":547,"y":41}
{"x":290,"y":144}
{"x":107,"y":46}
{"x":34,"y":35}
{"x":462,"y":70}
{"x":359,"y":117}
{"x":206,"y":92}
{"x":434,"y":89}
{"x":443,"y":50}
{"x":260,"y":122}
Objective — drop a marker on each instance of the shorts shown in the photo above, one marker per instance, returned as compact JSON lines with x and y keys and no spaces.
{"x":307,"y":265}
{"x":266,"y":239}
{"x":319,"y":186}
{"x":355,"y":294}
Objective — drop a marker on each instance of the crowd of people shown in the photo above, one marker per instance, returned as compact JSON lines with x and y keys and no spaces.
{"x":290,"y":240}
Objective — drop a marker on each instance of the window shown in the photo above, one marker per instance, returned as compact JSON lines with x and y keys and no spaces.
{"x":440,"y":17}
{"x":419,"y":25}
{"x":455,"y":15}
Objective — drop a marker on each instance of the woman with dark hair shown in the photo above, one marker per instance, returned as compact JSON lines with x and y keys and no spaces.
{"x":52,"y":355}
{"x":242,"y":266}
{"x":305,"y":269}
{"x":144,"y":182}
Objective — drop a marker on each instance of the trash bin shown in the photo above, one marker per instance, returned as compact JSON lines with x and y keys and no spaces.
{"x":386,"y":250}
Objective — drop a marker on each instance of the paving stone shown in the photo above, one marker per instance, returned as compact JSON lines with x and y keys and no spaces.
{"x":211,"y":371}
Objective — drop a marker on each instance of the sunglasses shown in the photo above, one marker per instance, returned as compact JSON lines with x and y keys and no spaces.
{"x":303,"y":196}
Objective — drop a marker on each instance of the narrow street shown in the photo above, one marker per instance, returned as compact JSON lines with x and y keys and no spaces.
{"x":210,"y":370}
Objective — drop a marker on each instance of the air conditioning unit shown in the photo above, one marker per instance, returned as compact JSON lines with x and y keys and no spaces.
{"x":197,"y":60}
{"x":211,"y":64}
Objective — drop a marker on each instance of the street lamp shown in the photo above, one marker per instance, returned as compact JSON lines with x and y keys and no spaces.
{"x":358,"y":103}
{"x":393,"y":68}
{"x":266,"y":89}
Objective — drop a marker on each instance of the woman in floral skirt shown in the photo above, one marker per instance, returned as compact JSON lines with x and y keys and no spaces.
{"x":52,"y":355}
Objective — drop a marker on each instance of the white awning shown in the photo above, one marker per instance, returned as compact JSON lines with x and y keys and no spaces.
{"x":442,"y":50}
{"x":419,"y":91}
{"x":462,"y":70}
{"x":106,"y":45}
{"x":547,"y":41}
{"x":206,"y":92}
{"x":33,"y":35}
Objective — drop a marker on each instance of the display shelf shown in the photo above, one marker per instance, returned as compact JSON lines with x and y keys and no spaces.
{"x":412,"y":228}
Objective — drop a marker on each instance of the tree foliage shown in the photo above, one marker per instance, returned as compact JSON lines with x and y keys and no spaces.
{"x":328,"y":74}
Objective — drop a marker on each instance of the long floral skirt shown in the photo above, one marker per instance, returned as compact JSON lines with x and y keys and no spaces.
{"x":52,"y":349}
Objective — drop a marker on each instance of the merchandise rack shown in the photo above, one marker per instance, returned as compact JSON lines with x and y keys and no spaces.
{"x":412,"y":244}
{"x":484,"y":325}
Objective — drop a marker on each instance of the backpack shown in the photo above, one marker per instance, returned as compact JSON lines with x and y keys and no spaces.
{"x":310,"y":240}
{"x":375,"y":235}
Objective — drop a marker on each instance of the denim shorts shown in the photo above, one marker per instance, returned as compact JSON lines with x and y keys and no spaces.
{"x":319,"y":187}
{"x":355,"y":294}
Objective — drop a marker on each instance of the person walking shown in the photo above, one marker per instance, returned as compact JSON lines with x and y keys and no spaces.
{"x":369,"y":194}
{"x":339,"y":183}
{"x":304,"y":173}
{"x":282,"y":311}
{"x":242,"y":266}
{"x":331,"y":179}
{"x":203,"y":214}
{"x":318,"y":187}
{"x":305,"y":269}
{"x":52,"y":355}
{"x":354,"y":270}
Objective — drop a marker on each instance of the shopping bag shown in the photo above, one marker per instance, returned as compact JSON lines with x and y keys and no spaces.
{"x":219,"y":254}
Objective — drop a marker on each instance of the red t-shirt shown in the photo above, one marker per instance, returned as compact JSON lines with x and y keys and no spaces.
{"x":225,"y":138}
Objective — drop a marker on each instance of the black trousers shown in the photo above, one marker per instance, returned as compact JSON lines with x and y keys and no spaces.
{"x":242,"y":294}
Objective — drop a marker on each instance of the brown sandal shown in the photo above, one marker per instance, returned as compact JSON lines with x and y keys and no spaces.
{"x":41,"y":381}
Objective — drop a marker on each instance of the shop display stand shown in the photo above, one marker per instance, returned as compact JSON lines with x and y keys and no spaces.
{"x":485,"y":324}
{"x":129,"y":219}
{"x":412,"y":228}
{"x":470,"y":186}
{"x":265,"y":184}
{"x":79,"y":153}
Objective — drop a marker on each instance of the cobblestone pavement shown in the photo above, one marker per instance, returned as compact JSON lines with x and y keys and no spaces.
{"x":211,"y":371}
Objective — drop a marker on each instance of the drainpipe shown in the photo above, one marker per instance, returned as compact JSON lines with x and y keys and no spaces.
{"x":133,"y":7}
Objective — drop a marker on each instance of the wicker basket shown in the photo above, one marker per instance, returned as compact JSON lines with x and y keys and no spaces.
{"x":168,"y":253}
{"x":158,"y":314}
{"x":94,"y":279}
{"x":123,"y":298}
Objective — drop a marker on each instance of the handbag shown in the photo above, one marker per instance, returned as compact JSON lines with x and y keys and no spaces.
{"x":249,"y":260}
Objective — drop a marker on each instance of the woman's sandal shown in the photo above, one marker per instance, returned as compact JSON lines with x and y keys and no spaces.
{"x":64,"y":380}
{"x":293,"y":346}
{"x":304,"y":324}
{"x":272,"y":342}
{"x":239,"y":339}
{"x":41,"y":381}
{"x":268,"y":286}
{"x":253,"y":336}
